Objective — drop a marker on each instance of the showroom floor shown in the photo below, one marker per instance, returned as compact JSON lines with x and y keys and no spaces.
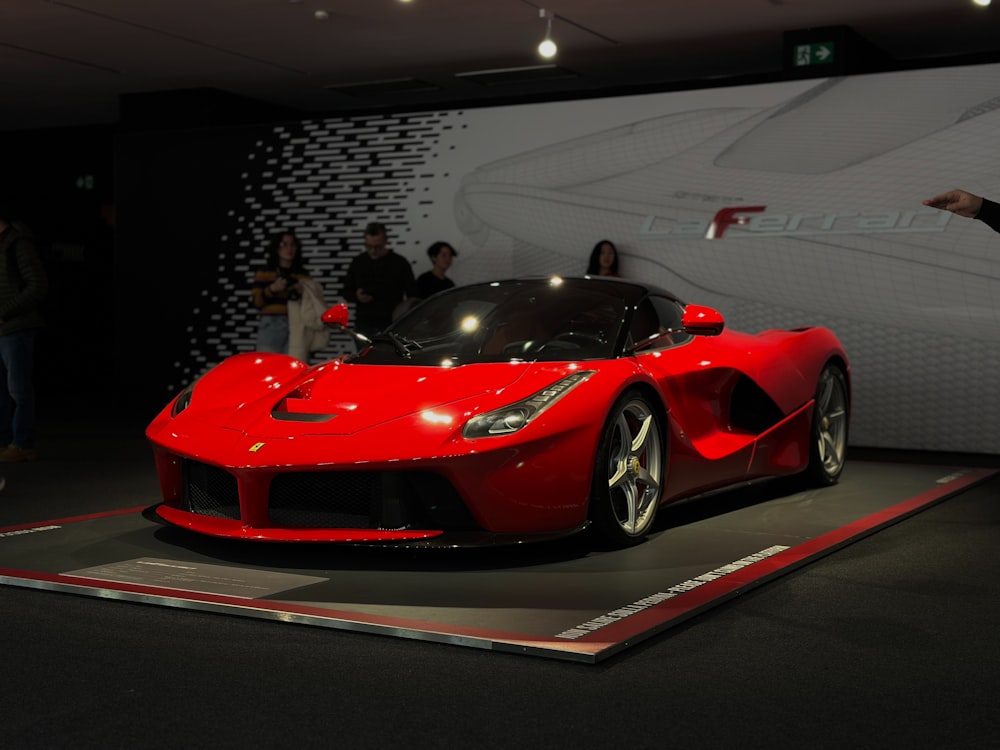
{"x":887,"y":641}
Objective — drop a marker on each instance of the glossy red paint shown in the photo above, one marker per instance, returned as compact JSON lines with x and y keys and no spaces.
{"x":259,"y":419}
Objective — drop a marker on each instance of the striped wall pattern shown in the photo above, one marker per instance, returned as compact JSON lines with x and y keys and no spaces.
{"x":324,"y":180}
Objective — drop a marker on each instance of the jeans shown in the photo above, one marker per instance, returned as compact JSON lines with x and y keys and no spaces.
{"x":17,"y":389}
{"x":272,"y":336}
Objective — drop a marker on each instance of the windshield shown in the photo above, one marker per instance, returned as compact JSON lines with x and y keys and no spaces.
{"x":527,"y":320}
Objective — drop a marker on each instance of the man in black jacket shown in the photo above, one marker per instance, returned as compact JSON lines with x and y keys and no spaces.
{"x":23,"y":286}
{"x":377,"y":281}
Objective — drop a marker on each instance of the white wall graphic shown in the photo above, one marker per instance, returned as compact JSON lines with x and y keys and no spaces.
{"x":784,"y":204}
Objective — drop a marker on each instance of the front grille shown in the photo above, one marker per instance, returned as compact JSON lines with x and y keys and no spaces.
{"x":336,"y":499}
{"x":325,"y":499}
{"x":367,"y":500}
{"x":211,"y":491}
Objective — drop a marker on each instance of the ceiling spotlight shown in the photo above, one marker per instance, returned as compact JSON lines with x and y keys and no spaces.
{"x":547,"y":48}
{"x":981,"y":3}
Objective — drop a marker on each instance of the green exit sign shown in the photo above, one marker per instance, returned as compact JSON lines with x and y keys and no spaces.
{"x":817,"y":53}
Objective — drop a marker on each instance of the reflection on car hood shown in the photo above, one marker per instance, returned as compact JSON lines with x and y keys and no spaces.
{"x":342,"y":398}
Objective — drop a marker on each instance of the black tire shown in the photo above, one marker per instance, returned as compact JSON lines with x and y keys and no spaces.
{"x":828,"y":436}
{"x":629,"y":471}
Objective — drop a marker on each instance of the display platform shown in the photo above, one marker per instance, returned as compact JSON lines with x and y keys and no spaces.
{"x":559,"y":599}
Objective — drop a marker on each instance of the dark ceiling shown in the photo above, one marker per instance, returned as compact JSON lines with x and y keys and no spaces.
{"x":74,"y":63}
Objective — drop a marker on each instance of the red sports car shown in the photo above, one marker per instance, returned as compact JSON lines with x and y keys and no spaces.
{"x":501,"y":412}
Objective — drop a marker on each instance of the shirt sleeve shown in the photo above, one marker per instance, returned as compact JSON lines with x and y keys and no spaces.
{"x":989,"y":214}
{"x":350,"y":284}
{"x":258,"y":288}
{"x":410,"y":282}
{"x":34,"y":282}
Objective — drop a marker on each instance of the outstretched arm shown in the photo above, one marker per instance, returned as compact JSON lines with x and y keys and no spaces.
{"x":971,"y":206}
{"x":958,"y":202}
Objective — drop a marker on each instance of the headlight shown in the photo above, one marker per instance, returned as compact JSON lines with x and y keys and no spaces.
{"x":512,"y":418}
{"x":183,"y":401}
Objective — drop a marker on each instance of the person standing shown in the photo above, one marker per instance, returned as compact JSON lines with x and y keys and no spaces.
{"x":273,"y":286}
{"x":603,"y":260}
{"x":964,"y":203}
{"x":23,"y":286}
{"x":377,"y":281}
{"x":436,"y":280}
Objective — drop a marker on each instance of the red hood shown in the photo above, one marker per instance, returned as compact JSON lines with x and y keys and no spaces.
{"x":343,"y":398}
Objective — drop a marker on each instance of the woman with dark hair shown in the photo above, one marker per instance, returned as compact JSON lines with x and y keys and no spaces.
{"x":436,"y":280}
{"x":603,"y":260}
{"x":273,"y":286}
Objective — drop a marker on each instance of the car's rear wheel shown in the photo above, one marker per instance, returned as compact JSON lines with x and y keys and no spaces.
{"x":628,"y":476}
{"x":828,"y":449}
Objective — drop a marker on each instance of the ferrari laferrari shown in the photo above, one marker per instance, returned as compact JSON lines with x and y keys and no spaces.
{"x":502,"y":412}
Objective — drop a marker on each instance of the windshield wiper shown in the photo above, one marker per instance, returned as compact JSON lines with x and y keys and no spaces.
{"x":401,"y":344}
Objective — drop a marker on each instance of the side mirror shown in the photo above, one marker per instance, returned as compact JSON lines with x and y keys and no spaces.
{"x":702,"y":321}
{"x":336,"y":315}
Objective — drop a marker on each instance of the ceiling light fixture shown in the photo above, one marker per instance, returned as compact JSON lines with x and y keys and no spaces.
{"x":981,"y":3}
{"x":547,"y":48}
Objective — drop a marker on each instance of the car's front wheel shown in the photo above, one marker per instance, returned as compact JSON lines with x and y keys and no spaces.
{"x":828,"y":449}
{"x":628,"y":476}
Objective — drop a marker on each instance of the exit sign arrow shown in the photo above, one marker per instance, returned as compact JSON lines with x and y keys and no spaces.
{"x":817,"y":53}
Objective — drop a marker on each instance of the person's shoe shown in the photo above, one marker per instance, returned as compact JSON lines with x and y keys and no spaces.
{"x":17,"y":453}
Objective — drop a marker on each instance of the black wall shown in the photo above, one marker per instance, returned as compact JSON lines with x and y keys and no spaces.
{"x":60,"y":183}
{"x":168,"y":224}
